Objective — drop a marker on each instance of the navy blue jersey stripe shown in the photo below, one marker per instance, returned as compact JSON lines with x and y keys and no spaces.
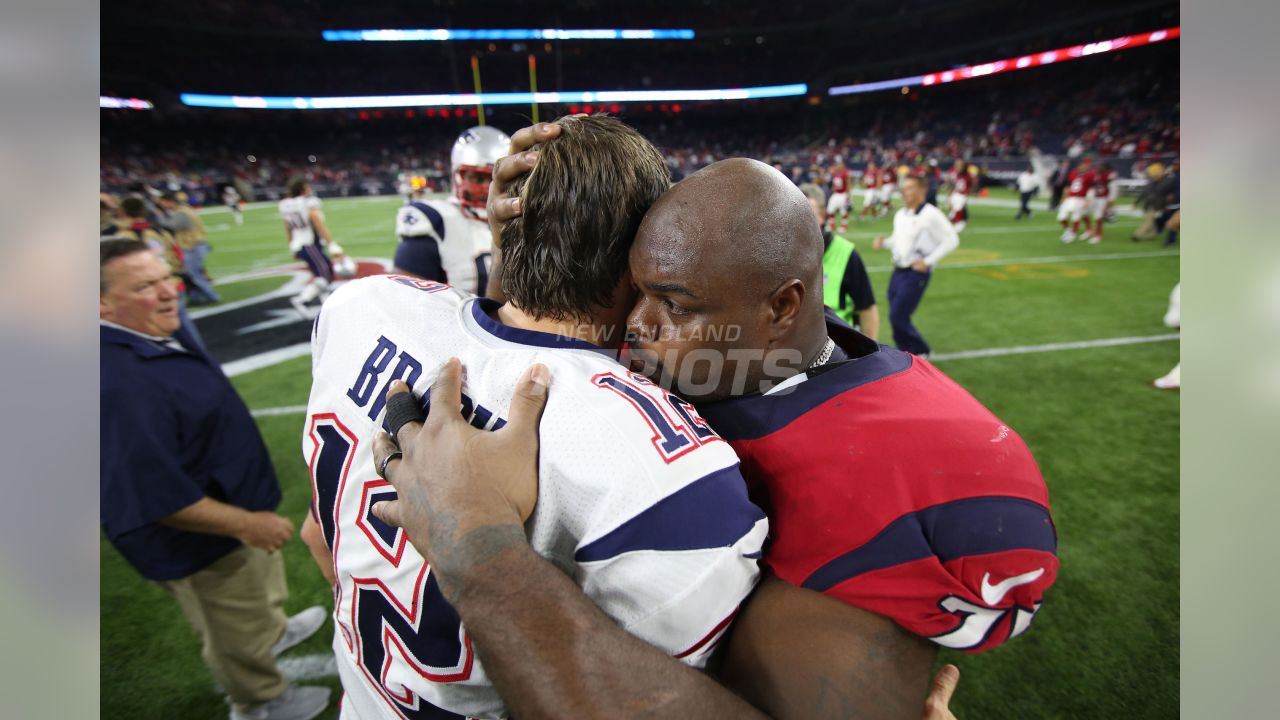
{"x":433,"y":215}
{"x":753,"y":416}
{"x":961,"y":528}
{"x":710,"y":512}
{"x":483,"y":306}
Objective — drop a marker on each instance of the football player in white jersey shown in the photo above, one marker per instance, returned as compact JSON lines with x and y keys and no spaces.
{"x":640,"y":502}
{"x":231,"y":198}
{"x":449,"y":241}
{"x":308,"y":235}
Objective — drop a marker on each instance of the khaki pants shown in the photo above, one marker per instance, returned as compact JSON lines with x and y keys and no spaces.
{"x":236,"y":606}
{"x":1147,"y":229}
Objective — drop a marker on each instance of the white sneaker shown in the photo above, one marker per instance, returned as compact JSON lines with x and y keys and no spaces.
{"x":1068,"y":237}
{"x":296,"y":703}
{"x":1095,"y":239}
{"x":299,"y":628}
{"x":1172,"y":381}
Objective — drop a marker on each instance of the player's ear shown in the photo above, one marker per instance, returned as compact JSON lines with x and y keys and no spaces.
{"x":784,"y":307}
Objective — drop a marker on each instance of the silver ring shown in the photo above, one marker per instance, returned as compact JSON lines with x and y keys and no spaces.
{"x":382,"y":468}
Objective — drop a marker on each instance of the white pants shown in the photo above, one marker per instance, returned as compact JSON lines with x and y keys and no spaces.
{"x":886,"y":192}
{"x":870,"y":197}
{"x":1072,"y":208}
{"x":837,"y":202}
{"x":1097,"y":207}
{"x":956,"y":201}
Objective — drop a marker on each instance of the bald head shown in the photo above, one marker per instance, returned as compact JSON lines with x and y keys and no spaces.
{"x":740,"y":220}
{"x":728,"y":260}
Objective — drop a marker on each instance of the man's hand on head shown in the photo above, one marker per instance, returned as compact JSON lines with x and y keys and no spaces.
{"x":503,"y":204}
{"x":463,"y":494}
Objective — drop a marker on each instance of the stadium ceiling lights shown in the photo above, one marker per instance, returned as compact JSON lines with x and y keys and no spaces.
{"x":442,"y":34}
{"x":1074,"y":52}
{"x":116,"y":103}
{"x":467,"y":99}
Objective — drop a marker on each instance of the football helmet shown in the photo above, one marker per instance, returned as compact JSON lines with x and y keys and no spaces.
{"x":476,"y":150}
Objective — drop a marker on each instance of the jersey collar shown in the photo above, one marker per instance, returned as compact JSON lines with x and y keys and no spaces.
{"x":480,"y":309}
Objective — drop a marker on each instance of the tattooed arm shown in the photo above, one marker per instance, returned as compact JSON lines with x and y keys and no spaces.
{"x":548,"y":649}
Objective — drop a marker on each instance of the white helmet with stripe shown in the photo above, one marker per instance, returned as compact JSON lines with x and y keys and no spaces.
{"x":475,"y":151}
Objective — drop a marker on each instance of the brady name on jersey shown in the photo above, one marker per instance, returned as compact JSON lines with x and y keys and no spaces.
{"x":640,"y":502}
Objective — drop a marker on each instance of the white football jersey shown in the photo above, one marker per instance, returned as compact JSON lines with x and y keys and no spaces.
{"x":639,"y":501}
{"x":465,"y":242}
{"x":296,"y":212}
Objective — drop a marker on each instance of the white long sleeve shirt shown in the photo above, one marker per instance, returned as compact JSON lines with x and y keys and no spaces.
{"x":1028,"y":182}
{"x":923,"y":234}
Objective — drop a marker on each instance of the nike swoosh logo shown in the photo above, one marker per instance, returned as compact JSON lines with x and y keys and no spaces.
{"x":993,"y":594}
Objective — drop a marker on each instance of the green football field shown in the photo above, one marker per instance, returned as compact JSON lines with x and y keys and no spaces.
{"x":1062,"y":342}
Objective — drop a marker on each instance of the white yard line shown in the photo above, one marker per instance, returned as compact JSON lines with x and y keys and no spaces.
{"x":277,"y":411}
{"x":1052,"y":347}
{"x":1042,"y":260}
{"x":293,"y":287}
{"x":266,"y":359}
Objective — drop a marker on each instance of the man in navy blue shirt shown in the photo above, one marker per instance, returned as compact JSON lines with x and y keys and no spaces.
{"x":188,"y":493}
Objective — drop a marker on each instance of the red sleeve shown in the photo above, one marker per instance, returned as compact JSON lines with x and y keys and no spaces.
{"x":980,"y":574}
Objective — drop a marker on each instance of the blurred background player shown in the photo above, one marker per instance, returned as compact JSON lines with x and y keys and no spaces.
{"x":231,"y":198}
{"x":188,"y":232}
{"x":888,"y":186}
{"x":871,"y":194}
{"x":1028,"y":185}
{"x":846,"y":287}
{"x":1071,"y":211}
{"x":961,"y":185}
{"x":838,"y":203}
{"x":1099,"y":202}
{"x":449,"y":241}
{"x":304,"y":227}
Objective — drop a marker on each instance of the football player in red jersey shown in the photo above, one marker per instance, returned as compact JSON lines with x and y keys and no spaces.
{"x":860,"y":541}
{"x":1100,"y":204}
{"x":888,"y":186}
{"x":871,"y":197}
{"x":961,"y":186}
{"x":1072,"y":210}
{"x":838,"y":201}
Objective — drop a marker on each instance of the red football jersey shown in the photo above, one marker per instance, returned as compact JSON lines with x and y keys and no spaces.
{"x":889,"y":487}
{"x":962,"y":182}
{"x":840,"y":181}
{"x":871,"y":179}
{"x":1079,"y":182}
{"x":889,"y":176}
{"x":1102,"y":183}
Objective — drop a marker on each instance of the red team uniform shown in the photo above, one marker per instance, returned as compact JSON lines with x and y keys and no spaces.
{"x":888,"y":183}
{"x":871,"y":196}
{"x":961,"y":186}
{"x":838,"y":202}
{"x":1100,"y":204}
{"x":840,"y":181}
{"x":1080,"y":182}
{"x":890,"y":488}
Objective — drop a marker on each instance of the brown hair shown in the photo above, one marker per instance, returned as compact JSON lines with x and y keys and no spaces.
{"x":583,"y":203}
{"x":110,"y":248}
{"x":297,"y":186}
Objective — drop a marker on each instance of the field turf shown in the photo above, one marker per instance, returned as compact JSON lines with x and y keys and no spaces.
{"x":1105,"y":644}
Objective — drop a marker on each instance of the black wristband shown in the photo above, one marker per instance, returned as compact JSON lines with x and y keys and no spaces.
{"x":401,"y":409}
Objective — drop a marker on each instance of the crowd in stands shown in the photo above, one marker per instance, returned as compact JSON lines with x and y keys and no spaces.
{"x":1130,"y":115}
